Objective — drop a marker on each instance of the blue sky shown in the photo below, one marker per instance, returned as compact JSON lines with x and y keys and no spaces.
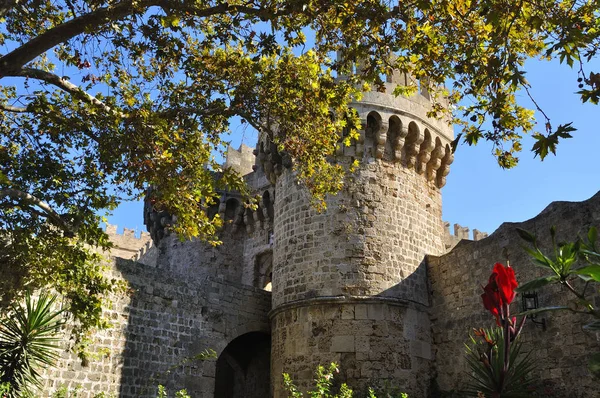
{"x":481,"y":195}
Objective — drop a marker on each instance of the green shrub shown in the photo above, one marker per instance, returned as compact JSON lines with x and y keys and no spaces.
{"x":324,"y":385}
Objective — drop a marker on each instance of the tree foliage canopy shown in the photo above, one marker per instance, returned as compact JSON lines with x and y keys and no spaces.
{"x":101,"y":99}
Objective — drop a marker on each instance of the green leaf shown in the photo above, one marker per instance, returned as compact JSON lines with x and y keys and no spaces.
{"x":537,"y":283}
{"x":594,"y":326}
{"x":585,"y":278}
{"x":541,"y":260}
{"x":592,"y":235}
{"x":590,"y":253}
{"x":28,"y":341}
{"x":4,"y":179}
{"x":526,"y":235}
{"x":592,"y":271}
{"x":544,"y":309}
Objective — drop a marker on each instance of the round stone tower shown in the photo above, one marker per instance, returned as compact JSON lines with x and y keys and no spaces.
{"x":350,"y":284}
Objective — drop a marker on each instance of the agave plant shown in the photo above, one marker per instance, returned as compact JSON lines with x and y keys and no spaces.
{"x":28,"y":342}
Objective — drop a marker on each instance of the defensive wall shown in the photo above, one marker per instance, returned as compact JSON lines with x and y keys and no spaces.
{"x":182,"y":299}
{"x":560,"y":349}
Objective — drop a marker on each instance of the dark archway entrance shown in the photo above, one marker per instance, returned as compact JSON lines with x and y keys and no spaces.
{"x":243,"y":368}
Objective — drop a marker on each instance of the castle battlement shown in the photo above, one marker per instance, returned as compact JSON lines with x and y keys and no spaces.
{"x":241,"y":160}
{"x":127,"y":245}
{"x":393,"y":128}
{"x":460,"y":233}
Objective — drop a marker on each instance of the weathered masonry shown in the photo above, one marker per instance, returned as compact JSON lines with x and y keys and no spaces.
{"x":376,"y":283}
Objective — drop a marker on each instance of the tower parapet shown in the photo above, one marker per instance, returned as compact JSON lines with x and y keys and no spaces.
{"x":397,"y":130}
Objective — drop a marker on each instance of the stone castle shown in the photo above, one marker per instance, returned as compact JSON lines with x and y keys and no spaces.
{"x":376,"y":283}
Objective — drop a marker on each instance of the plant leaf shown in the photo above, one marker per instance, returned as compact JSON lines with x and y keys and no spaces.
{"x":592,"y":271}
{"x":537,"y":283}
{"x":592,"y":235}
{"x":594,"y":326}
{"x":594,"y":364}
{"x":526,"y":235}
{"x":543,"y":309}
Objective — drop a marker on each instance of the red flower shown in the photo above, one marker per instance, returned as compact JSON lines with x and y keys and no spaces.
{"x":491,"y":299}
{"x":500,"y":290}
{"x":506,"y":282}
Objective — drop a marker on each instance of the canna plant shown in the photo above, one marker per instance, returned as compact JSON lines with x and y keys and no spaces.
{"x":498,"y":368}
{"x":576,"y":266}
{"x":28,"y":342}
{"x":485,"y":356}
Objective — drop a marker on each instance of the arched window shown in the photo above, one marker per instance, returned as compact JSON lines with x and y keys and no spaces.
{"x":231,"y":207}
{"x":392,"y":143}
{"x":371,"y":133}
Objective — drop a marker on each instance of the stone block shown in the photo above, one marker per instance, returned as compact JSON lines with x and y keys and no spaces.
{"x":347,"y":312}
{"x":376,"y":311}
{"x":362,"y":343}
{"x":420,"y":349}
{"x":342,"y":344}
{"x":360,"y":311}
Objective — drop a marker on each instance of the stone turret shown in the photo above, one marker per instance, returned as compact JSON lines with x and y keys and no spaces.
{"x":241,"y":160}
{"x":350,"y":284}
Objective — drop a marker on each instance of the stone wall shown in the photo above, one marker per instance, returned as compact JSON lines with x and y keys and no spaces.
{"x":460,"y":233}
{"x":164,"y":319}
{"x":195,"y":259}
{"x":241,"y":160}
{"x":456,"y":278}
{"x":184,"y":297}
{"x":379,"y":343}
{"x":373,"y":235}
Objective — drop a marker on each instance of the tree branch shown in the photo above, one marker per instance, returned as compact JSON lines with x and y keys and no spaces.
{"x":16,"y":59}
{"x":14,"y":109}
{"x":45,"y":207}
{"x":6,"y":6}
{"x":63,"y":84}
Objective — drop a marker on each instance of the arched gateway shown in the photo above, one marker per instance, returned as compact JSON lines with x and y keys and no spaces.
{"x":243,"y":368}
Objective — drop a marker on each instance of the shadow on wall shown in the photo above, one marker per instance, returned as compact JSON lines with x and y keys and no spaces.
{"x":171,"y":319}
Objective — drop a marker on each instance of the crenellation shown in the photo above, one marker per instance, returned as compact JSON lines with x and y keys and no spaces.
{"x":479,"y":235}
{"x":241,"y":160}
{"x":126,"y":245}
{"x":460,"y":233}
